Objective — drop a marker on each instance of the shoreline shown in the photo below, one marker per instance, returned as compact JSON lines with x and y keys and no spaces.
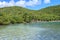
{"x":30,"y":22}
{"x":45,"y":21}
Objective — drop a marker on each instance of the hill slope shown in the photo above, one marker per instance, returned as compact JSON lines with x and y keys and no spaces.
{"x":51,"y":10}
{"x":20,"y":15}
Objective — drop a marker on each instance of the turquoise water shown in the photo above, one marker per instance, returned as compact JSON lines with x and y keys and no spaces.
{"x":31,"y":31}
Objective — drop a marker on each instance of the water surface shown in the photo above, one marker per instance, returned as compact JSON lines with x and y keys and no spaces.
{"x":31,"y":31}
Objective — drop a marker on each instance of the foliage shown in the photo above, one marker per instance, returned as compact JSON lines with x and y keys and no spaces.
{"x":20,"y":15}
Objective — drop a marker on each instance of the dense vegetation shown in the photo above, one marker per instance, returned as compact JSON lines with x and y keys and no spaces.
{"x":22,"y":15}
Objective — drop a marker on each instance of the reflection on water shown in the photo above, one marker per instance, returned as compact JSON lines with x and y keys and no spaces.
{"x":32,"y":31}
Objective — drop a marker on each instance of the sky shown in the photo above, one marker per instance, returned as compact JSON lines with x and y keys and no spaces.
{"x":30,"y":4}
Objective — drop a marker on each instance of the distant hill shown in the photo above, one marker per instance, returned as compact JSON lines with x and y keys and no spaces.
{"x":51,"y":10}
{"x":17,"y":14}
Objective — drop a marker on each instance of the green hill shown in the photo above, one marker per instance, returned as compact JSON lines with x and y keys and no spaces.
{"x":17,"y":14}
{"x":50,"y":13}
{"x":51,"y":10}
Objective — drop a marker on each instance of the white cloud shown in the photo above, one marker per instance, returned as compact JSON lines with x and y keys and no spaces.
{"x":7,"y":4}
{"x":22,"y":3}
{"x":33,"y":3}
{"x":46,"y":1}
{"x":2,"y":4}
{"x":29,"y":3}
{"x":11,"y":3}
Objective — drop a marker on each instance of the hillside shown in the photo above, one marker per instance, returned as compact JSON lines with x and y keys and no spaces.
{"x":51,"y":10}
{"x":50,"y":13}
{"x":21,"y":15}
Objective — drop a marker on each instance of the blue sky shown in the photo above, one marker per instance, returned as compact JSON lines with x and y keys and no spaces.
{"x":30,"y":4}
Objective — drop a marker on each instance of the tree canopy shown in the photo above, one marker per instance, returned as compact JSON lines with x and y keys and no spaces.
{"x":17,"y":14}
